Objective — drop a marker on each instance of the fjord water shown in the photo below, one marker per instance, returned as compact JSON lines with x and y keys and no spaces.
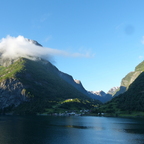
{"x":70,"y":130}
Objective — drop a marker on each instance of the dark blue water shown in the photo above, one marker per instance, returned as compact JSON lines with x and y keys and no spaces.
{"x":70,"y":130}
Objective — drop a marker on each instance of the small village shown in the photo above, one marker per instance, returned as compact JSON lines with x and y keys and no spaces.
{"x":69,"y":113}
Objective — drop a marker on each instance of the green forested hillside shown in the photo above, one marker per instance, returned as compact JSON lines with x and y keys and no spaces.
{"x":133,"y":98}
{"x":42,"y":86}
{"x":130,"y":102}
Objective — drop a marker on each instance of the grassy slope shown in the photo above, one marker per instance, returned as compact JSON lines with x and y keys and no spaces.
{"x":10,"y":72}
{"x":140,"y":67}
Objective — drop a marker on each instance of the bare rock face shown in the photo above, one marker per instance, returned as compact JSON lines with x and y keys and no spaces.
{"x":12,"y":92}
{"x":113,"y":90}
{"x":33,"y":42}
{"x":99,"y":93}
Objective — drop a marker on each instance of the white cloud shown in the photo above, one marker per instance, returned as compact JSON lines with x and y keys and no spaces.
{"x":140,"y":57}
{"x":142,"y":40}
{"x":48,"y":38}
{"x":14,"y":47}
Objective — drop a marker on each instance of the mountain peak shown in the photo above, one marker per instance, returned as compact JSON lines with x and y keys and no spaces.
{"x":140,"y":67}
{"x":77,"y":81}
{"x":33,"y":42}
{"x":16,"y":47}
{"x":113,"y":90}
{"x":130,"y":78}
{"x":10,"y":55}
{"x":100,"y":93}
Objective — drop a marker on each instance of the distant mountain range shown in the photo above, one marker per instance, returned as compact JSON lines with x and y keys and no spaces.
{"x":102,"y":96}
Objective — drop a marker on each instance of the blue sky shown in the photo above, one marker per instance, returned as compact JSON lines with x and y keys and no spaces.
{"x":111,"y":32}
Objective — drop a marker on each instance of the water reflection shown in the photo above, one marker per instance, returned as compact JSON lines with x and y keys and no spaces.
{"x":72,"y":130}
{"x":79,"y":127}
{"x":135,"y":131}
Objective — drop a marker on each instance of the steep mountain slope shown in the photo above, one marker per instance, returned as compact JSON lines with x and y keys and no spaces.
{"x":34,"y":86}
{"x":75,"y":83}
{"x":101,"y":96}
{"x":131,"y":100}
{"x":129,"y":78}
{"x":113,"y":90}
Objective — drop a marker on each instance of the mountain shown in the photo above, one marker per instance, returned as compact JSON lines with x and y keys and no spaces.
{"x":35,"y":85}
{"x":113,"y":90}
{"x":95,"y":95}
{"x":75,"y":83}
{"x":130,"y":102}
{"x":33,"y":42}
{"x":100,"y":95}
{"x":133,"y":98}
{"x":129,"y":79}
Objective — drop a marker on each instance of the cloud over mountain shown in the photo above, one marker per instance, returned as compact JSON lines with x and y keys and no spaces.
{"x":14,"y":47}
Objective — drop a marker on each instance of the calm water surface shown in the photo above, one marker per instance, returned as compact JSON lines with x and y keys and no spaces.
{"x":70,"y":130}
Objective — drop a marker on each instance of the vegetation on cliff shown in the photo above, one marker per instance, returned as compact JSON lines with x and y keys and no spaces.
{"x":130,"y":103}
{"x":129,"y":79}
{"x":42,"y":86}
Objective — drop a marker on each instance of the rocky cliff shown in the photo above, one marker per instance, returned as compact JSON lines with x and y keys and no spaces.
{"x":12,"y":93}
{"x":113,"y":90}
{"x":129,"y":79}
